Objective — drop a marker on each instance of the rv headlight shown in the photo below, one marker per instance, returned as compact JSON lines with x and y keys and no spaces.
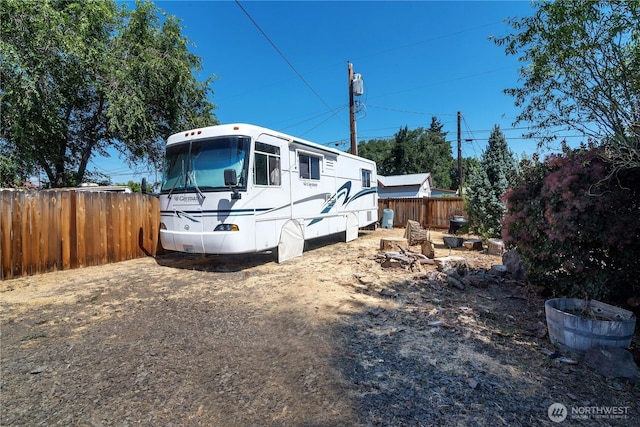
{"x":227,"y":227}
{"x":162,"y":226}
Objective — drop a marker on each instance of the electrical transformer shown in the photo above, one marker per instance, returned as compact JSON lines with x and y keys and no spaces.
{"x":358,"y":85}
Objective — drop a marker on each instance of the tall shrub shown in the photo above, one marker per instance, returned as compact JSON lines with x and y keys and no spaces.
{"x":577,"y":227}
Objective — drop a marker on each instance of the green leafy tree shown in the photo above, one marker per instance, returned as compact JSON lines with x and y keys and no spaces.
{"x":581,"y":62}
{"x":136,"y":186}
{"x":488,"y":183}
{"x":400,"y":161}
{"x":377,"y":150}
{"x":9,"y":172}
{"x":413,"y":151}
{"x":79,"y":78}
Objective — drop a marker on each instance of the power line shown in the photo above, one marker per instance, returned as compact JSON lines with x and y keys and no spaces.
{"x":314,"y":127}
{"x":429,"y":40}
{"x":475,"y":146}
{"x":408,"y":112}
{"x":286,"y":60}
{"x":314,"y":117}
{"x":439,"y":83}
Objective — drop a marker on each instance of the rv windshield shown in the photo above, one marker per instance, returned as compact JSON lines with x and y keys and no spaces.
{"x":200,"y":165}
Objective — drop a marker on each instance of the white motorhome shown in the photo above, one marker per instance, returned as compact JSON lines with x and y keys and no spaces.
{"x":240,"y":188}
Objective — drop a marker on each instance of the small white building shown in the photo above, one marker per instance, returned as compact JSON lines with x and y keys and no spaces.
{"x":413,"y":185}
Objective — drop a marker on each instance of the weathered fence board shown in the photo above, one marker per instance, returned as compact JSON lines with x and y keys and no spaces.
{"x":43,"y":231}
{"x":430,"y":212}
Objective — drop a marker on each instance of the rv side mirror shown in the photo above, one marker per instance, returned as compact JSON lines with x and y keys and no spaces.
{"x":230,"y":178}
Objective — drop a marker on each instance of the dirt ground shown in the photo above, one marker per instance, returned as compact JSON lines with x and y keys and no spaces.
{"x":327,"y":339}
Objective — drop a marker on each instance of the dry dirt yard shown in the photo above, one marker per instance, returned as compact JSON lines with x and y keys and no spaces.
{"x":328,"y":339}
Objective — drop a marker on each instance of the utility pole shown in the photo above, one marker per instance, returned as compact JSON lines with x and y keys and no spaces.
{"x":352,"y":118}
{"x":460,"y":174}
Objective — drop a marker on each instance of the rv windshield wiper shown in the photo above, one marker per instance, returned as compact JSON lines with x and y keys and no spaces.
{"x":176,"y":181}
{"x":191,"y":177}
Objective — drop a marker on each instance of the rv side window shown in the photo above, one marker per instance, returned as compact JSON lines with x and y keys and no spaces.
{"x":266,"y":167}
{"x":366,"y":178}
{"x":309,"y":166}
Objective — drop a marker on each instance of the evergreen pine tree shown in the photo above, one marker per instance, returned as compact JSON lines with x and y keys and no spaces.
{"x":488,"y":183}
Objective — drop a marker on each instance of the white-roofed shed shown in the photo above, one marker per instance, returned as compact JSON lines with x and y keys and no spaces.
{"x":412,"y":185}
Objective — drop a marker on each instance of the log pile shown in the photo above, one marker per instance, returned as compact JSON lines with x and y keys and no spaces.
{"x":397,"y":253}
{"x":404,"y":259}
{"x":450,"y":271}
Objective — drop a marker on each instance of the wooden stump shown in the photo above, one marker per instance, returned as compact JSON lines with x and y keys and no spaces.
{"x":496,"y":247}
{"x":452,"y":263}
{"x":428,"y":249}
{"x":473,"y":244}
{"x":392,"y":243}
{"x":415,"y":233}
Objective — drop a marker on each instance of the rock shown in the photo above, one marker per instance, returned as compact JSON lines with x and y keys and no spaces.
{"x":478,"y":280}
{"x":612,"y":362}
{"x":498,"y":270}
{"x":511,"y":260}
{"x":455,"y":283}
{"x":452,"y":272}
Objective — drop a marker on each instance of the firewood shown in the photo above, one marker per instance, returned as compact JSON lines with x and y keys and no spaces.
{"x":415,"y":234}
{"x":405,"y":258}
{"x":428,"y":249}
{"x":392,"y":242}
{"x":473,"y":244}
{"x":495,"y":247}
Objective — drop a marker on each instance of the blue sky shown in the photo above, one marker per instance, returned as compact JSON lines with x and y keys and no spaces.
{"x":418,"y":59}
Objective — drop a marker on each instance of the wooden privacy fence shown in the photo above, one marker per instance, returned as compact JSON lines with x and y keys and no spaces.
{"x":43,"y":231}
{"x":430,"y":212}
